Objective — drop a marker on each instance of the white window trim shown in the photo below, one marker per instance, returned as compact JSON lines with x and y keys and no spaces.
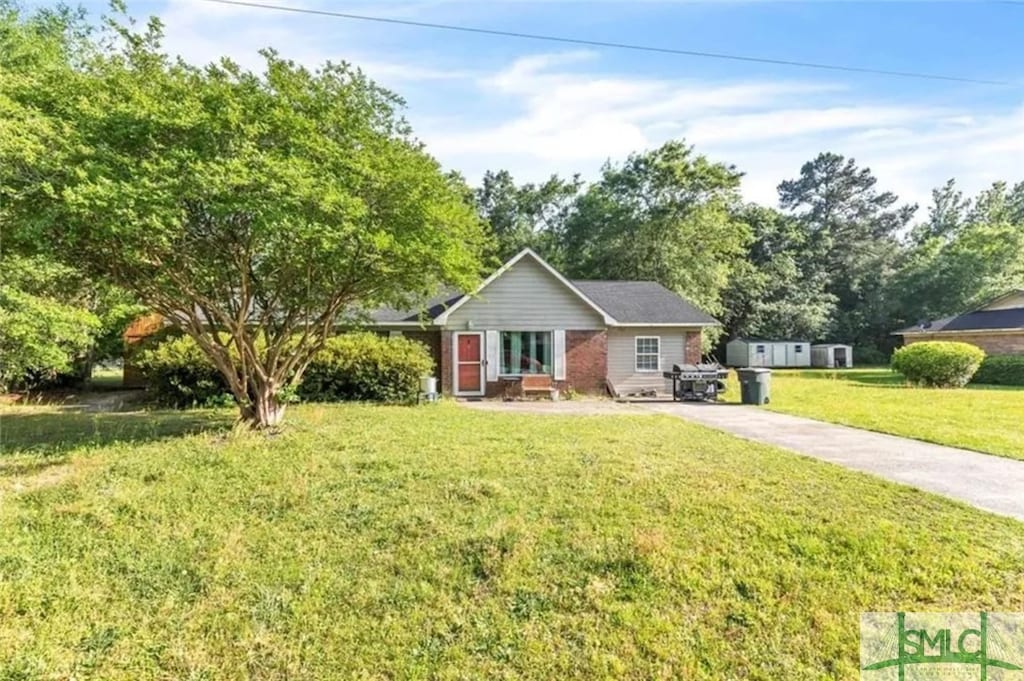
{"x":520,"y":374}
{"x":636,"y":354}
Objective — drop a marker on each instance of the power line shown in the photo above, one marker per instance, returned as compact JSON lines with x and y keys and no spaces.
{"x":614,"y":45}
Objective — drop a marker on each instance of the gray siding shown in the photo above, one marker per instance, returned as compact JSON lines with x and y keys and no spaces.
{"x":526,"y":298}
{"x":622,"y":357}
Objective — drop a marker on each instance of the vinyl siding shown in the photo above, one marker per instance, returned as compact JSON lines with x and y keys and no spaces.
{"x":526,"y":298}
{"x":622,"y":357}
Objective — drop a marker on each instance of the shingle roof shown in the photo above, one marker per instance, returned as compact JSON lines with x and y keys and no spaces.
{"x":984,"y":320}
{"x":927,"y":326}
{"x":642,"y":302}
{"x":980,"y":320}
{"x":629,"y":302}
{"x":431,"y":309}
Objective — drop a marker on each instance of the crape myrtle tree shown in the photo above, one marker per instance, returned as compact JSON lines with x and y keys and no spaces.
{"x":255,"y":211}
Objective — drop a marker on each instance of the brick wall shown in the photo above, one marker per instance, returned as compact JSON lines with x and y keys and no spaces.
{"x":431,"y":339}
{"x":445,"y":368}
{"x":693,"y":347}
{"x":991,"y":343}
{"x":586,"y":361}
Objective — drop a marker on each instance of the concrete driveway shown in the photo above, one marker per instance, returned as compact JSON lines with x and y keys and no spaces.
{"x":992,"y":483}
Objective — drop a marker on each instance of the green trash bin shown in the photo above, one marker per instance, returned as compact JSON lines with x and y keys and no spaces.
{"x":755,"y":385}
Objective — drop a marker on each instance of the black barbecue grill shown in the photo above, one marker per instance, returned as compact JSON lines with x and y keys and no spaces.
{"x":697,"y":382}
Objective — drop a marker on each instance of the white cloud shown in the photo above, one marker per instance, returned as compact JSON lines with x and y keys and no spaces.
{"x":566,"y":113}
{"x":561,"y":115}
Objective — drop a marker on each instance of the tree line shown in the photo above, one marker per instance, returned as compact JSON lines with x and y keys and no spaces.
{"x":837,"y":259}
{"x":257,"y":211}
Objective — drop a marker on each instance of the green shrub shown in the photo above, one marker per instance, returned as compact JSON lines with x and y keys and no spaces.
{"x":357,"y":366}
{"x":366,"y":367}
{"x":178,"y":374}
{"x":938,"y":364}
{"x":1001,"y":370}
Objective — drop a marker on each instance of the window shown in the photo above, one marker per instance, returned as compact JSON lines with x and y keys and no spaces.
{"x":759,"y":349}
{"x":798,"y":348}
{"x":525,"y":352}
{"x":648,"y":353}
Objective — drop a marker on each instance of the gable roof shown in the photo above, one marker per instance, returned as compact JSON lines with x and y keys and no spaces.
{"x":620,"y":303}
{"x":643,"y":302}
{"x":525,"y":253}
{"x":980,"y":319}
{"x":1012,"y":293}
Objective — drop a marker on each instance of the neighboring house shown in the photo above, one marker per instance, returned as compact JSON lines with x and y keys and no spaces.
{"x":527,"y":318}
{"x":996,"y":327}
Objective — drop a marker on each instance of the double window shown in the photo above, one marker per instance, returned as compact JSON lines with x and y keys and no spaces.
{"x":525,"y":352}
{"x":648,"y":353}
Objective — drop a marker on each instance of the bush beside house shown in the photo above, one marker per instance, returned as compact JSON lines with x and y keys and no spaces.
{"x":176,"y":373}
{"x":366,"y":367}
{"x":938,"y":364}
{"x":1001,"y":370}
{"x":356,"y":366}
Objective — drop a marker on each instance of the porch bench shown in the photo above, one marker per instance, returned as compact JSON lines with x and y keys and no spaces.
{"x":538,"y":383}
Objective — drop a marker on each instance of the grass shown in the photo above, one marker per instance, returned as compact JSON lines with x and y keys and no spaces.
{"x":106,"y":378}
{"x":981,"y":418}
{"x":437,"y":542}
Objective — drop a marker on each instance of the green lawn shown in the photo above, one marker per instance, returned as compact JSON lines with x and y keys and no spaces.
{"x":985,"y":419}
{"x":439,"y":542}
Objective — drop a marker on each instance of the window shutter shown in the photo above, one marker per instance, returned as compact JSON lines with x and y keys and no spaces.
{"x":558,"y":341}
{"x":493,"y":343}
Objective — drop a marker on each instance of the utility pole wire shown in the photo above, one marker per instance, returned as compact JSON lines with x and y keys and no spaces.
{"x":614,"y":45}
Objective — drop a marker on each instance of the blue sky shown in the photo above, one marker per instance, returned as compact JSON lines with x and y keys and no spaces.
{"x":538,"y":108}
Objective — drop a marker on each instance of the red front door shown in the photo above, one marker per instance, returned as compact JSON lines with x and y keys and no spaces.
{"x":469,"y":369}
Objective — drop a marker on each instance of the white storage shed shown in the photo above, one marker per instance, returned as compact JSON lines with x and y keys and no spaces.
{"x":832,"y":355}
{"x":748,"y":352}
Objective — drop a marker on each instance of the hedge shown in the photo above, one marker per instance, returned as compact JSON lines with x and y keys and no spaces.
{"x":355,"y":366}
{"x":938,"y":364}
{"x":1001,"y":370}
{"x":178,"y":374}
{"x":367,"y":367}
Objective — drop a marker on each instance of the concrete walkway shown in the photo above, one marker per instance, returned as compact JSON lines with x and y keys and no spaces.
{"x":988,"y":482}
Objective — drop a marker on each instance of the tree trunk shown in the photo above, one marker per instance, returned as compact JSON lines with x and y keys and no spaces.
{"x":265,"y":411}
